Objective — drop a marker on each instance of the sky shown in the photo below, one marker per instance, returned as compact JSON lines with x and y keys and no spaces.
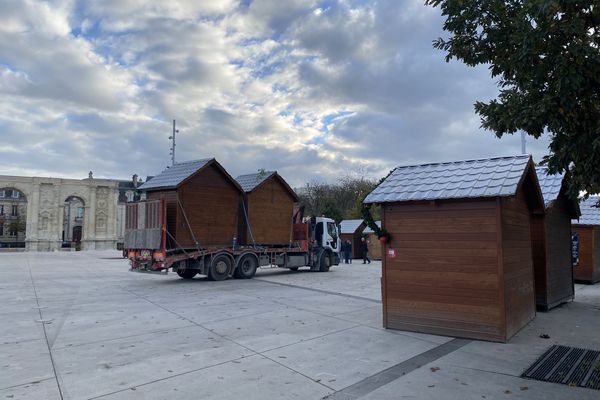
{"x":317,"y":90}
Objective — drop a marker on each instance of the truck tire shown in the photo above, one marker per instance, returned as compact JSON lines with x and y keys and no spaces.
{"x":186,"y":273}
{"x":219,"y":268}
{"x":246,"y":267}
{"x":324,"y":262}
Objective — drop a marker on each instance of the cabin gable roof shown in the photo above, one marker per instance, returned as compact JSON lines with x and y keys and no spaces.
{"x":179,"y":173}
{"x":351,"y":225}
{"x":553,"y":187}
{"x":492,"y":177}
{"x":590,"y":213}
{"x":251,"y":182}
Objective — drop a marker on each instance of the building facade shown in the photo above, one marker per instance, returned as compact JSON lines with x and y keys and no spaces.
{"x":59,"y":213}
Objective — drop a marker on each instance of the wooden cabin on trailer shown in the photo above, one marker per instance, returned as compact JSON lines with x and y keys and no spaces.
{"x":352,"y":229}
{"x":373,"y":242}
{"x":267,"y":212}
{"x":202,"y":202}
{"x":586,"y":238}
{"x":459,"y":262}
{"x":551,"y":240}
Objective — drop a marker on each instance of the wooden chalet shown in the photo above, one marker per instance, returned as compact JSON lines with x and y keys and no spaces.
{"x":352,"y":229}
{"x":459,"y":262}
{"x":373,"y":242}
{"x":551,"y":241}
{"x":586,"y":232}
{"x":202,"y":202}
{"x":266,"y":217}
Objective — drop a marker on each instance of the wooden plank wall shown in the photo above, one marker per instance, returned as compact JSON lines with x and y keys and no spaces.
{"x":596,"y":259}
{"x":445,"y":276}
{"x":558,"y":254}
{"x":519,"y":291}
{"x":211,"y":203}
{"x":538,"y":243}
{"x":588,"y":269}
{"x":270,"y":209}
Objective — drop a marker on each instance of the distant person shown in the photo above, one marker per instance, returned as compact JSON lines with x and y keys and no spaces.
{"x":349,"y":250}
{"x":365,"y":250}
{"x":345,"y":251}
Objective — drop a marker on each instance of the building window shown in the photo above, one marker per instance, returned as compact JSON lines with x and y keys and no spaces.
{"x":79,"y":215}
{"x":1,"y":209}
{"x":12,"y":232}
{"x":15,"y":194}
{"x":15,"y":210}
{"x":1,"y":230}
{"x":1,"y":193}
{"x":129,"y":195}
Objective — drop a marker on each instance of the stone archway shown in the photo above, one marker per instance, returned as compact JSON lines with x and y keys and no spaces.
{"x":73,"y":222}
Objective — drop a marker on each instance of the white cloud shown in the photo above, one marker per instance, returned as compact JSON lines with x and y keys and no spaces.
{"x":315,"y":89}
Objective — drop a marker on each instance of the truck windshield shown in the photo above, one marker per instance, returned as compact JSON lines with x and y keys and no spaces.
{"x":332,"y":231}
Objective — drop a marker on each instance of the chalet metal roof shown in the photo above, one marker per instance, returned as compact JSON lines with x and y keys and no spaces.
{"x":590,"y":214}
{"x":249,"y":181}
{"x":492,"y":177}
{"x":350,"y":225}
{"x":368,"y":230}
{"x":175,"y":174}
{"x":550,"y":184}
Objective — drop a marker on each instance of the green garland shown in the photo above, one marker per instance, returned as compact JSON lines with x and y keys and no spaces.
{"x":366,"y":212}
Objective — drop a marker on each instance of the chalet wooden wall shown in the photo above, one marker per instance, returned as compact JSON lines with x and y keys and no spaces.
{"x":447,"y":275}
{"x":559,"y":276}
{"x":211,"y":203}
{"x":517,"y":263}
{"x":270,"y":207}
{"x":588,"y":270}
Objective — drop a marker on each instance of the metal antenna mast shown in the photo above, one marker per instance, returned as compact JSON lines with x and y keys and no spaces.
{"x":172,"y":137}
{"x":523,"y":143}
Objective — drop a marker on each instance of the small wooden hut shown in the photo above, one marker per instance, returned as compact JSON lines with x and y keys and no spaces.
{"x":267,"y":210}
{"x":551,"y":240}
{"x":459,"y":261}
{"x":352,"y":229}
{"x":586,"y":231}
{"x":202,"y":202}
{"x":373,"y":242}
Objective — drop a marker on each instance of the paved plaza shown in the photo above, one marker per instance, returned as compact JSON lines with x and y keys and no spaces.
{"x":80,"y":326}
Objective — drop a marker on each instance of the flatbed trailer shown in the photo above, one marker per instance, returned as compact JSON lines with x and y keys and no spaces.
{"x":151,"y":248}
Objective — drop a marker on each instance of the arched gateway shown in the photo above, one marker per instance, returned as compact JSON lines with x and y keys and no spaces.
{"x":57,"y":211}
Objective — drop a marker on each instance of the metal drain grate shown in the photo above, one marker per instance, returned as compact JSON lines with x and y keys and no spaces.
{"x":567,"y":365}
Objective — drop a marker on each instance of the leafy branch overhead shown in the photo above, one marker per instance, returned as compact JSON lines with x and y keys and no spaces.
{"x":546,"y":56}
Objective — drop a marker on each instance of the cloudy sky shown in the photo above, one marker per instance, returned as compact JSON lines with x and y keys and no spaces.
{"x":314,"y":89}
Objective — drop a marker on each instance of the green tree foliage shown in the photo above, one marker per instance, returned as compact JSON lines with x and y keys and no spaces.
{"x":546,"y":57}
{"x":337,"y":201}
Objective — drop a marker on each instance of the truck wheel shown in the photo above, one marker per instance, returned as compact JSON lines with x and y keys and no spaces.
{"x":324,"y":262}
{"x":186,"y":273}
{"x":246,"y":268}
{"x":219,"y":268}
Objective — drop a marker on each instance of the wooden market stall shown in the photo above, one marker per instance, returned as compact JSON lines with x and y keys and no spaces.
{"x":551,"y":240}
{"x":459,"y":262}
{"x":586,"y":232}
{"x":352,"y":229}
{"x":268,"y":209}
{"x":373,"y":242}
{"x":202,"y":202}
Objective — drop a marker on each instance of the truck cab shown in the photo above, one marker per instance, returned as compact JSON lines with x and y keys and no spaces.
{"x":326,"y":243}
